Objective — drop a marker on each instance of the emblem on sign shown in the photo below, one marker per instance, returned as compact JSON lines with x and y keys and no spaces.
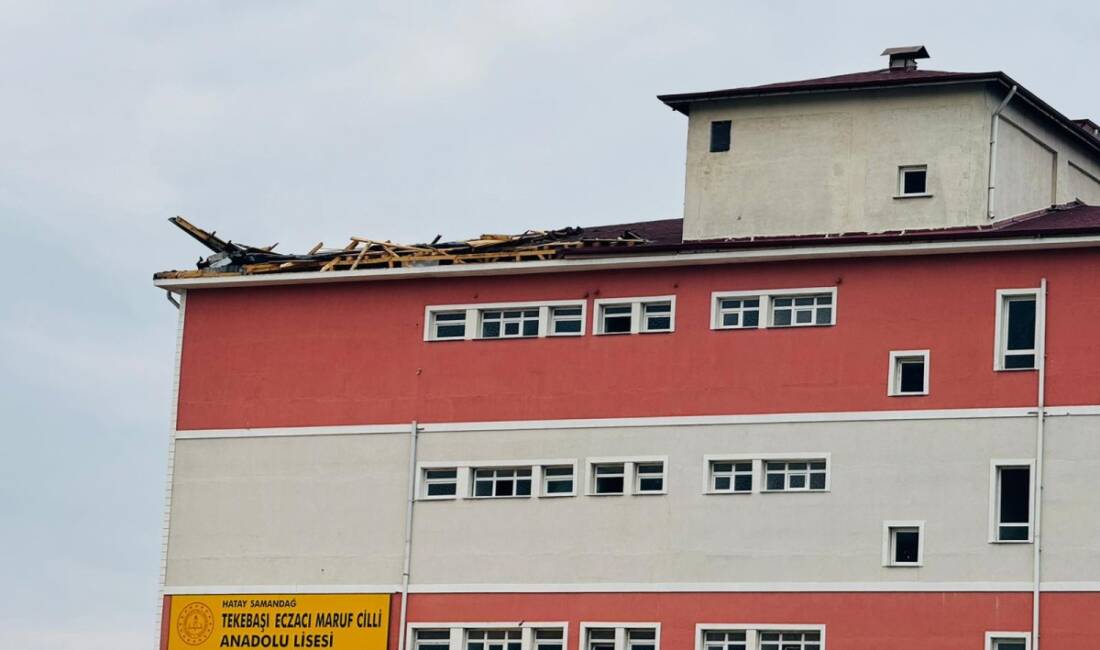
{"x":195,"y":624}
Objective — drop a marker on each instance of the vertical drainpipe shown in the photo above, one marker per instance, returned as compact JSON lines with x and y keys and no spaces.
{"x":1041,"y":353}
{"x":994,"y":121}
{"x":414,"y":436}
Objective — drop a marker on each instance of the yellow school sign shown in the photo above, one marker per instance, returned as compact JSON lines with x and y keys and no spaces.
{"x":336,"y":621}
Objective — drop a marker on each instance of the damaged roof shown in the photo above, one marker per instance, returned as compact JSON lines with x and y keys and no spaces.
{"x":663,"y":236}
{"x":230,"y":257}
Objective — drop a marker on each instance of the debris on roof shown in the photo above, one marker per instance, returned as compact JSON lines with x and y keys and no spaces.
{"x":362,"y":253}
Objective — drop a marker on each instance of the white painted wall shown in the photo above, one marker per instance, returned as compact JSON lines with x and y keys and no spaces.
{"x":1039,"y":164}
{"x":829,"y":163}
{"x":316,"y":510}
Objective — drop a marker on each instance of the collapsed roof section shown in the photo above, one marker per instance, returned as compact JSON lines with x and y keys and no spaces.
{"x":231,"y":258}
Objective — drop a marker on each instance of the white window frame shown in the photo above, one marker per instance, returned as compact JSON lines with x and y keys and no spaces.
{"x":767,"y":296}
{"x":753,"y":630}
{"x":532,"y":478}
{"x":620,"y":632}
{"x":824,"y":458}
{"x":474,"y":318}
{"x":636,"y":314}
{"x":903,"y":170}
{"x":465,"y":477}
{"x":995,"y":466}
{"x":430,"y":325}
{"x":888,"y":528}
{"x":457,"y":631}
{"x":893,"y":386}
{"x":708,"y":474}
{"x":759,"y":474}
{"x":638,"y":476}
{"x":1001,"y":332}
{"x":422,"y":481}
{"x":991,"y":637}
{"x":544,"y":479}
{"x":630,"y":474}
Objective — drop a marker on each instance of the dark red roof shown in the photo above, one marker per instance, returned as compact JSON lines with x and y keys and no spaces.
{"x":1075,"y":218}
{"x":664,"y":231}
{"x":885,"y":78}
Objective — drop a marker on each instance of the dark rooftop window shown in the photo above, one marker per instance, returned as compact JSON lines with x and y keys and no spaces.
{"x":720,"y":135}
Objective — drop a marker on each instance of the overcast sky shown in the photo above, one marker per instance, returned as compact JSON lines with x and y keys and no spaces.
{"x":274,"y":121}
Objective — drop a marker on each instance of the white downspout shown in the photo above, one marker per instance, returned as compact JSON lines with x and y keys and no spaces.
{"x":414,"y":436}
{"x":994,"y":121}
{"x":1040,"y":356}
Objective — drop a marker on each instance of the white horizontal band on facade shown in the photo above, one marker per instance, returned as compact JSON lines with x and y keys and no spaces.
{"x":776,"y":254}
{"x":675,"y":421}
{"x":656,"y":587}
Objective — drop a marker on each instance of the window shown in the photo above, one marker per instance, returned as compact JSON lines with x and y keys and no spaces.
{"x":557,"y":481}
{"x":656,"y":317}
{"x":649,"y":478}
{"x":609,"y":478}
{"x":643,"y":639}
{"x":903,"y":543}
{"x":620,"y":636}
{"x":908,"y":373}
{"x":550,"y":639}
{"x":1016,"y":331}
{"x":789,"y":640}
{"x":801,"y":311}
{"x":726,"y":640}
{"x":773,"y":308}
{"x":730,"y":476}
{"x":736,"y":313}
{"x":448,"y":325}
{"x":432,"y":640}
{"x":493,"y":640}
{"x":1010,"y":499}
{"x":566,"y":320}
{"x":441,"y":482}
{"x":913,"y":181}
{"x":502,"y":482}
{"x":504,"y":320}
{"x":509,"y":324}
{"x":794,"y":475}
{"x":720,"y":135}
{"x":1007,"y":641}
{"x":759,"y":637}
{"x":635,"y":315}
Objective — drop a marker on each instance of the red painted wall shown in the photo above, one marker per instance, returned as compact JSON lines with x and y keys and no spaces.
{"x":854,"y":621}
{"x":353,"y":353}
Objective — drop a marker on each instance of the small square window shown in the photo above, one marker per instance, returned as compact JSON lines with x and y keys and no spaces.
{"x":731,"y":476}
{"x":441,"y":482}
{"x":448,"y":325}
{"x":565,"y":321}
{"x":608,"y":478}
{"x":657,"y":317}
{"x":720,"y":131}
{"x":903,"y":543}
{"x":790,"y":640}
{"x":616,"y":319}
{"x":738,"y":313}
{"x":649,"y":478}
{"x":908,"y":373}
{"x":732,"y":640}
{"x":557,"y":480}
{"x":600,"y":639}
{"x":432,"y":640}
{"x":913,"y":181}
{"x":1015,"y":643}
{"x":641,"y":639}
{"x":550,"y":639}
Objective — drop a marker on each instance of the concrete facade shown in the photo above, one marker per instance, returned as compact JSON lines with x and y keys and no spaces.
{"x":828,"y":163}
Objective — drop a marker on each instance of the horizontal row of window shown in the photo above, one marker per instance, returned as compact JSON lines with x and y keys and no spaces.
{"x":1011,"y":485}
{"x":1016,"y":346}
{"x":739,"y":474}
{"x":629,"y":636}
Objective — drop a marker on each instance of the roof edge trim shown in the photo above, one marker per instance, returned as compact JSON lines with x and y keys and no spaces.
{"x":778,"y":254}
